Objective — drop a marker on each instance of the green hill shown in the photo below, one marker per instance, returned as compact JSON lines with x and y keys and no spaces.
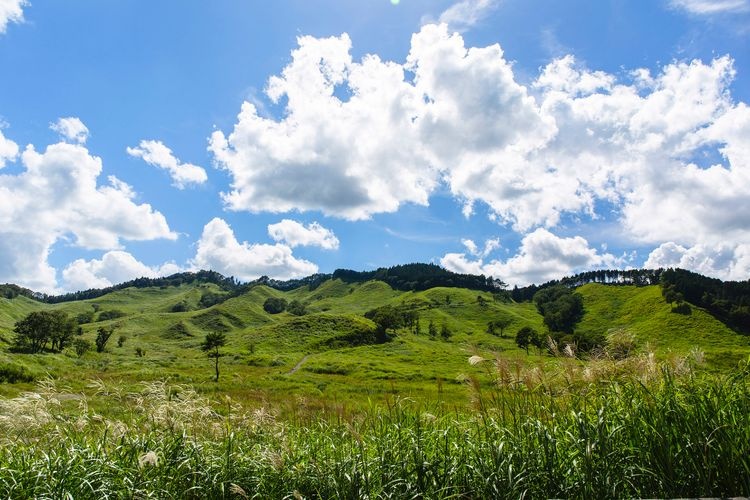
{"x":331,"y":352}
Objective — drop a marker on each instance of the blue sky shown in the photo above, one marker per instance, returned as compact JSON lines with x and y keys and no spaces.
{"x":523,"y":139}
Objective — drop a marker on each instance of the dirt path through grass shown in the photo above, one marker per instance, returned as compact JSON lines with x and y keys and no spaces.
{"x":298,"y":365}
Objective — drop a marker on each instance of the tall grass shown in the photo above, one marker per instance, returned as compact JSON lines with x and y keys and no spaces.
{"x":669,"y":436}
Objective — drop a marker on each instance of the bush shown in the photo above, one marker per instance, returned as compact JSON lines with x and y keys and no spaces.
{"x":81,"y":346}
{"x":12,"y":374}
{"x":85,"y":317}
{"x":179,"y":307}
{"x":296,"y":307}
{"x":274,"y":305}
{"x":112,"y":314}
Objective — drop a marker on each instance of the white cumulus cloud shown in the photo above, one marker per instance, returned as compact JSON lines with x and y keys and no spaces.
{"x":8,"y":150}
{"x":541,"y":257}
{"x":219,"y":250}
{"x":725,"y":261}
{"x":155,"y":153}
{"x":11,"y":11}
{"x":294,"y":234}
{"x":358,"y":138}
{"x":71,"y":129}
{"x":113,"y":268}
{"x":57,"y":197}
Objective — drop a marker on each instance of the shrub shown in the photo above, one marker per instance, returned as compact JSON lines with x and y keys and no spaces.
{"x":81,"y":346}
{"x":296,"y":307}
{"x":112,"y":314}
{"x":274,"y":305}
{"x":12,"y":374}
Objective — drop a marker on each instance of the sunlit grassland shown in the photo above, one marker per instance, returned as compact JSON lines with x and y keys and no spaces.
{"x":320,"y":356}
{"x":657,"y":431}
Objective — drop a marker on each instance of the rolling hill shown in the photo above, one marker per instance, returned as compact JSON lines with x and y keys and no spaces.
{"x":330,"y":352}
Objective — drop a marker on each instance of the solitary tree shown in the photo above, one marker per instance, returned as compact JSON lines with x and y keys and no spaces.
{"x":102,"y":337}
{"x":527,"y":336}
{"x":211,"y":345}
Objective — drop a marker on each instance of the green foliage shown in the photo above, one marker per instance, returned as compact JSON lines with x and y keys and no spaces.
{"x":445,"y":332}
{"x":121,"y":340}
{"x":274,"y":305}
{"x":13,"y":374}
{"x":499,"y":324}
{"x":670,"y":439}
{"x":85,"y":317}
{"x":211,"y":345}
{"x":102,"y":337}
{"x":140,"y":352}
{"x":41,"y":328}
{"x":432,"y":330}
{"x":561,"y":308}
{"x":527,"y":336}
{"x":81,"y":346}
{"x":111,"y":314}
{"x":296,"y":308}
{"x":179,"y":307}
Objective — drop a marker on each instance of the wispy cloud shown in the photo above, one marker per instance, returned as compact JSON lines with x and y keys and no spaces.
{"x":464,"y":14}
{"x":711,"y":7}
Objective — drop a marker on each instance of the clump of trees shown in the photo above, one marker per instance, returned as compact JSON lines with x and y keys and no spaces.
{"x":560,"y":307}
{"x":391,"y":318}
{"x":44,"y":330}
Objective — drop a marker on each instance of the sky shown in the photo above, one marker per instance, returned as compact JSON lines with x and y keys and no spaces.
{"x":523,"y":139}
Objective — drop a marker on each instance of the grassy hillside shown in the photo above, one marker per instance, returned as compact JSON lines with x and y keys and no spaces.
{"x":330,"y":354}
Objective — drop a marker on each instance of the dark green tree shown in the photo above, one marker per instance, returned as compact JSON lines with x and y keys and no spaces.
{"x":445,"y":332}
{"x":386,"y":318}
{"x":102,"y":337}
{"x":432,"y":330}
{"x":527,"y":336}
{"x":81,"y":346}
{"x":274,"y":305}
{"x":560,"y":307}
{"x":211,"y":345}
{"x":42,"y":328}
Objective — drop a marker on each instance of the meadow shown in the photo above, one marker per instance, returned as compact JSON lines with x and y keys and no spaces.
{"x":305,"y":409}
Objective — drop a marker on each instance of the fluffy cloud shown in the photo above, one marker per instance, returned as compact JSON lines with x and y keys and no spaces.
{"x":359,"y":138}
{"x":541,"y":257}
{"x":113,"y":268}
{"x":708,"y":7}
{"x":727,"y":261}
{"x":466,"y":13}
{"x":219,"y":250}
{"x":294,"y":234}
{"x":57,"y":197}
{"x":489,"y":246}
{"x":71,"y":129}
{"x":8,"y":150}
{"x":155,"y":153}
{"x":11,"y":11}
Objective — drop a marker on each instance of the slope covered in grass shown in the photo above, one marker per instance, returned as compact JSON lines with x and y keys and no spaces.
{"x":331,"y":351}
{"x":643,"y":312}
